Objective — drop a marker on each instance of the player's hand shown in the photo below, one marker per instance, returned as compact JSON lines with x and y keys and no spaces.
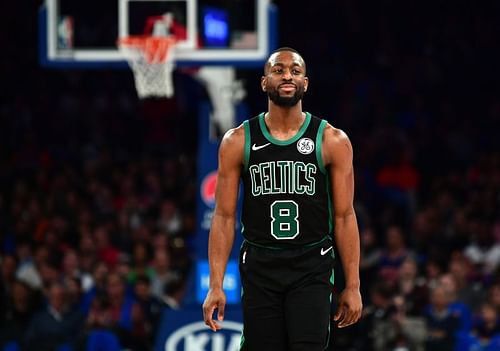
{"x":216,"y":299}
{"x":349,"y":308}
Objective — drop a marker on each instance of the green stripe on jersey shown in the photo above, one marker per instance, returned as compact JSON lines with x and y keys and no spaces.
{"x":293,"y":139}
{"x":246,"y":128}
{"x":242,"y":341}
{"x":319,"y":146}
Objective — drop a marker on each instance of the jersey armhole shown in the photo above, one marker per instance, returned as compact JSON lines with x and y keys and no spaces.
{"x":319,"y":143}
{"x":246,"y":157}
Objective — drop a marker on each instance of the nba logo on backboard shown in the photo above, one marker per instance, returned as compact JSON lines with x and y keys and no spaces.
{"x":208,"y":186}
{"x":65,"y":33}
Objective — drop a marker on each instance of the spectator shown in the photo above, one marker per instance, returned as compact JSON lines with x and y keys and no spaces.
{"x":412,"y":288}
{"x":442,"y":323}
{"x":370,"y":257}
{"x":163,"y":273}
{"x":99,"y":330}
{"x":8,"y":265}
{"x":457,"y":307}
{"x":487,"y":326}
{"x":21,"y":303}
{"x":98,"y":285}
{"x":433,"y":272}
{"x":469,"y":289}
{"x":485,"y":334}
{"x":141,"y":252}
{"x":125,"y":314}
{"x":70,"y":264}
{"x":378,"y":326}
{"x":74,"y":294}
{"x":152,"y":307}
{"x":170,"y":219}
{"x":106,"y":251}
{"x":173,"y":293}
{"x":87,"y":259}
{"x":484,"y":252}
{"x":393,"y":255}
{"x":56,"y":324}
{"x":27,"y":269}
{"x":494,"y":296}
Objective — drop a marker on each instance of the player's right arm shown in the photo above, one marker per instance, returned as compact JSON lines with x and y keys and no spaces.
{"x":221,"y":235}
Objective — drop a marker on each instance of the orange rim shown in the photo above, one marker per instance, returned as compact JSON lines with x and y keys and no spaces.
{"x":155,"y":48}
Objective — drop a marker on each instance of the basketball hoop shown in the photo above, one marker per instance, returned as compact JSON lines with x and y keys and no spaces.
{"x":151,"y":59}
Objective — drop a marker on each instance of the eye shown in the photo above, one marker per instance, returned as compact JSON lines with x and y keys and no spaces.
{"x":277,"y":70}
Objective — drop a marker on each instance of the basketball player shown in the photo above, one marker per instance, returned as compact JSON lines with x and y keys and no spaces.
{"x":298,"y":183}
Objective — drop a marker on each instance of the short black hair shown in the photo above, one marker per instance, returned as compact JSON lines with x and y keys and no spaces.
{"x":285,"y":48}
{"x":281,"y":49}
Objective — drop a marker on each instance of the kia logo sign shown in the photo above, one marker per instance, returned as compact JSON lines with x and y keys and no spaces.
{"x":208,"y":186}
{"x":197,"y":337}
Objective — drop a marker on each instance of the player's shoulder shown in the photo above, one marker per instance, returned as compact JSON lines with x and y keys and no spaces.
{"x":336,"y":145}
{"x":234,"y":134}
{"x":234,"y":138}
{"x":333,"y":135}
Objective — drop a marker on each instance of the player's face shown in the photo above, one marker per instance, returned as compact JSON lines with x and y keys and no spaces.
{"x":285,"y":78}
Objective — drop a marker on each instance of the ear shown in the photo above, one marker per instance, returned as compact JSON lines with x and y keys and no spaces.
{"x":306,"y":83}
{"x":263,"y":83}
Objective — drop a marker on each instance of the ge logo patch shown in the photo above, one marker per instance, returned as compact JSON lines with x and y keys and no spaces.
{"x":305,"y":146}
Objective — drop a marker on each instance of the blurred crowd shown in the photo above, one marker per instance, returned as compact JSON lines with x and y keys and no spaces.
{"x":97,"y":189}
{"x":93,"y":237}
{"x":97,"y":203}
{"x":416,"y":86}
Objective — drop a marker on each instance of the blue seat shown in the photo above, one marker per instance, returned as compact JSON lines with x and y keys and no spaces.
{"x":102,"y":340}
{"x":11,"y":346}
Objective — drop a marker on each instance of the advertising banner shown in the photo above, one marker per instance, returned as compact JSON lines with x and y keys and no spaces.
{"x":207,"y":181}
{"x":184,"y":330}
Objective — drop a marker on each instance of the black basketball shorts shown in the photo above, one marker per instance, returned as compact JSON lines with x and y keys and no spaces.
{"x":286,"y":297}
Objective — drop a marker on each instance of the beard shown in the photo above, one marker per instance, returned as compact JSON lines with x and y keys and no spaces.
{"x":286,"y":101}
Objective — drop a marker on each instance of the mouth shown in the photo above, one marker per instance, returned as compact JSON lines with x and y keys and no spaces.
{"x":287,"y":87}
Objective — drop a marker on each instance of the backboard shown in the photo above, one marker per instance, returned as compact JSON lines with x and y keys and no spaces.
{"x":81,"y":34}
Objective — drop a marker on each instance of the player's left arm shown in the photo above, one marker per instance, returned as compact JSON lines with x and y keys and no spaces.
{"x":338,"y":159}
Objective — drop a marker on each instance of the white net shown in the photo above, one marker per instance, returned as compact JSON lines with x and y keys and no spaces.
{"x":152,"y":62}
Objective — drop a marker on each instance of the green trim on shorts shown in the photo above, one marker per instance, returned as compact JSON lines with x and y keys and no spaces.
{"x":326,"y":237}
{"x":332,"y":280}
{"x":329,"y":329}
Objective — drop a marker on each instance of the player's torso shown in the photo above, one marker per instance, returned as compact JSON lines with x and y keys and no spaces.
{"x":286,"y":199}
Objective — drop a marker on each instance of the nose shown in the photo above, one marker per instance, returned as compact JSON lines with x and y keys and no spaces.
{"x":287,"y":74}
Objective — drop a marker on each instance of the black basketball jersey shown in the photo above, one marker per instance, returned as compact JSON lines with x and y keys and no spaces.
{"x":286,"y":201}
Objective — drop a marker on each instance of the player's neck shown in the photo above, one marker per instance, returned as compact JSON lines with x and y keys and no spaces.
{"x":285,"y":116}
{"x":284,"y":122}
